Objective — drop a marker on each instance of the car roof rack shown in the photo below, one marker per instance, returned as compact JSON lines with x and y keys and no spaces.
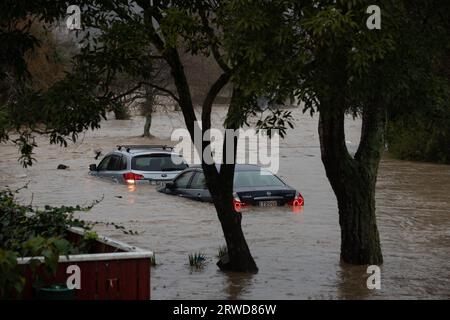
{"x":128,"y":147}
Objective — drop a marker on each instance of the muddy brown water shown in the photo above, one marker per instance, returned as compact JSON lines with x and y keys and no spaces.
{"x":297,"y":253}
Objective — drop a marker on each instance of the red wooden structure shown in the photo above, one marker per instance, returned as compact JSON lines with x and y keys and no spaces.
{"x":119,"y":272}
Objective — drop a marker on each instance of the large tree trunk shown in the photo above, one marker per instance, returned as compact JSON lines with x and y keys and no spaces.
{"x":219,"y":184}
{"x":239,"y":257}
{"x":353,"y":181}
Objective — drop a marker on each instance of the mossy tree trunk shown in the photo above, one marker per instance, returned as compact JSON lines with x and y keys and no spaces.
{"x":353,"y":180}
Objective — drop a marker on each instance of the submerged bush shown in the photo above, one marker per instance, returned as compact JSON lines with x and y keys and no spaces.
{"x":222,"y":251}
{"x":197,"y":260}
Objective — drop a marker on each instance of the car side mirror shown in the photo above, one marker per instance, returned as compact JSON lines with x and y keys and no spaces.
{"x":93,"y":167}
{"x":170,"y":185}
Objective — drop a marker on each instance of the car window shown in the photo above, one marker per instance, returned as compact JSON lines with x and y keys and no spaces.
{"x":123,"y":163}
{"x":114,"y":163}
{"x":104,"y":163}
{"x":183,"y":180}
{"x":256,"y":179}
{"x":198,"y":182}
{"x":156,"y":162}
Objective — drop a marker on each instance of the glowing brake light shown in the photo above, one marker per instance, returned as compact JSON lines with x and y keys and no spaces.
{"x":131,"y":178}
{"x":298,"y":201}
{"x":237,"y":203}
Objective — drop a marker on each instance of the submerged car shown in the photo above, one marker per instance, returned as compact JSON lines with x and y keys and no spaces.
{"x":136,"y":164}
{"x":253,"y":186}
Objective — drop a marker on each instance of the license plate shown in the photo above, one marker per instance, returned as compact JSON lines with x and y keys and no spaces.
{"x":157,"y":182}
{"x":268,"y":203}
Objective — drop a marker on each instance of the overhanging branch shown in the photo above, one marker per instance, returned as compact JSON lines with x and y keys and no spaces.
{"x":162,"y":89}
{"x":210,"y":97}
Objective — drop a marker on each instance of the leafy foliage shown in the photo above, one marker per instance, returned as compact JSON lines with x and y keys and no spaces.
{"x":19,"y":224}
{"x":11,"y":281}
{"x":29,"y":232}
{"x":25,"y":231}
{"x":420,"y":140}
{"x":419,"y":128}
{"x":423,"y":134}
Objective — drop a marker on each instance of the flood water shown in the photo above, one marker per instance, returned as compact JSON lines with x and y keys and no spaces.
{"x":297,"y":253}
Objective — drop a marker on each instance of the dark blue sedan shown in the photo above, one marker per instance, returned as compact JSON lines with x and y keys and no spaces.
{"x":253,"y":185}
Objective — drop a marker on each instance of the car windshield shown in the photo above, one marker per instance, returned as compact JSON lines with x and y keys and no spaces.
{"x":157,"y":162}
{"x":256,"y":179}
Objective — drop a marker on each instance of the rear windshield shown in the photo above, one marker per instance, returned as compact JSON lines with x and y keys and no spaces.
{"x":156,"y":162}
{"x":256,"y":179}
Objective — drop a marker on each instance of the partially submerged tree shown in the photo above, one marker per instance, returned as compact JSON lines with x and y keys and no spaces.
{"x":338,"y":66}
{"x":354,"y":70}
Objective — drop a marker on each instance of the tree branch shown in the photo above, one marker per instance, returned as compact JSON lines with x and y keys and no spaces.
{"x":213,"y":42}
{"x":210,"y":97}
{"x":169,"y":92}
{"x":128,"y":92}
{"x":372,"y":135}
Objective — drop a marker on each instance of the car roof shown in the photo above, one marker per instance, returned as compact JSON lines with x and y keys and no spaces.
{"x":136,"y":150}
{"x":141,"y":152}
{"x":145,"y":152}
{"x":238,"y":167}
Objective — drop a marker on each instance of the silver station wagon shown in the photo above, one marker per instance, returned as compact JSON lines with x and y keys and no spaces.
{"x":137,"y":164}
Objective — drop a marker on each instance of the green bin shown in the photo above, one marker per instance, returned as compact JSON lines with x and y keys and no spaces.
{"x":54,"y":292}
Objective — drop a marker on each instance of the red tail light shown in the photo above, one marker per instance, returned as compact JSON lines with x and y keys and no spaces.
{"x":298,"y":201}
{"x":131,"y":178}
{"x":237,"y":203}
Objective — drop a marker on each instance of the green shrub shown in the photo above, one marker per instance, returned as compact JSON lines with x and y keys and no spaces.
{"x":420,"y":139}
{"x":25,"y":231}
{"x":222,"y":251}
{"x":197,"y":260}
{"x":11,"y":280}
